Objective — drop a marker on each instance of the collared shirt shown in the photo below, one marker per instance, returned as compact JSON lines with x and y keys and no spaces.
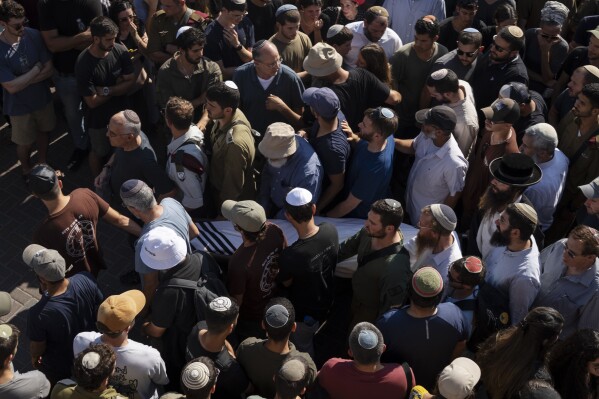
{"x":442,"y":168}
{"x":302,"y":169}
{"x":575,"y":297}
{"x":517,"y":275}
{"x":546,"y":194}
{"x":390,"y":42}
{"x":190,"y":181}
{"x":466,"y":128}
{"x":440,"y":261}
{"x":403,"y":15}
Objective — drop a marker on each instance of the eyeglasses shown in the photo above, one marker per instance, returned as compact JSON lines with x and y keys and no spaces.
{"x":383,"y":113}
{"x":273,"y":64}
{"x":498,"y":47}
{"x":469,"y":54}
{"x":570,"y":253}
{"x":19,"y":26}
{"x":127,"y":18}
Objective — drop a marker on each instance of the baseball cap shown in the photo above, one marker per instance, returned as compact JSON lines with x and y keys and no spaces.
{"x":117,"y":312}
{"x":445,"y":216}
{"x":249,"y":215}
{"x":457,"y":380}
{"x":323,"y":100}
{"x":516,"y":91}
{"x":162,"y":248}
{"x":427,"y":282}
{"x":5,"y":303}
{"x":298,"y":197}
{"x":46,"y":263}
{"x":42,"y":179}
{"x":441,"y":116}
{"x":503,"y":110}
{"x":591,"y":190}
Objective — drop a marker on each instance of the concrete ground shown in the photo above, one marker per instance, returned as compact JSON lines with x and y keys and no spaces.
{"x":20,"y":213}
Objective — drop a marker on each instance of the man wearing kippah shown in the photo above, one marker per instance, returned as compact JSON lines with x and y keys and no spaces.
{"x":513,"y":264}
{"x":383,"y":273}
{"x":262,"y":358}
{"x":566,"y":99}
{"x":307,"y":267}
{"x":140,"y":371}
{"x":436,"y":243}
{"x":428,"y":334}
{"x":365,"y":376}
{"x":293,"y":45}
{"x":68,"y":306}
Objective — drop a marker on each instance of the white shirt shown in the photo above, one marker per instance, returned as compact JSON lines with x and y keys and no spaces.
{"x":437,"y":173}
{"x":190,"y":184}
{"x":139,"y":368}
{"x":546,"y":194}
{"x":403,"y":15}
{"x":466,"y":127}
{"x":439,"y":261}
{"x":517,"y":275}
{"x":390,"y":42}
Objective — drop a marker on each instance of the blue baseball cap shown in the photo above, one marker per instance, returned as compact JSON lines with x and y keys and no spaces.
{"x":323,"y":100}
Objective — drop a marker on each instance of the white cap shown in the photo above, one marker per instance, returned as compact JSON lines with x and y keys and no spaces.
{"x":298,"y":197}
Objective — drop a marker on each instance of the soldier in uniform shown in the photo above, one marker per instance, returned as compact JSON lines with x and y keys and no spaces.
{"x":232,"y":145}
{"x":165,"y":24}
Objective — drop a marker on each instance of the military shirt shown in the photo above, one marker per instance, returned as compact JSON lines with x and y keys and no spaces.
{"x":163,"y":30}
{"x":231,"y":165}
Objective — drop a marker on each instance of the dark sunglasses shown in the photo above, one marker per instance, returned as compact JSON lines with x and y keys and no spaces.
{"x":548,"y":37}
{"x":498,"y":47}
{"x":468,"y":54}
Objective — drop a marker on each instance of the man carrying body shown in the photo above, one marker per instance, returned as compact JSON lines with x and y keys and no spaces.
{"x":383,"y":273}
{"x":105,"y":75}
{"x":140,"y":370}
{"x":71,"y":224}
{"x":513,"y":264}
{"x":307,"y":267}
{"x":232,"y":145}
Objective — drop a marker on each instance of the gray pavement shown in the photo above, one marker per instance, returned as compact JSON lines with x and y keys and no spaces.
{"x":20,"y":213}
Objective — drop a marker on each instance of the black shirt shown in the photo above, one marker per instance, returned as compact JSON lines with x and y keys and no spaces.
{"x":310,"y":262}
{"x":577,"y":58}
{"x":263,"y":18}
{"x":488,"y":78}
{"x":539,"y":115}
{"x":448,"y":36}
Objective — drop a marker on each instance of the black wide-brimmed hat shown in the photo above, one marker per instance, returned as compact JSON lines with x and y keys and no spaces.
{"x":516,"y":169}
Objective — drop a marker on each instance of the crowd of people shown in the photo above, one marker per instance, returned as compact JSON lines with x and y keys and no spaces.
{"x":463,"y":134}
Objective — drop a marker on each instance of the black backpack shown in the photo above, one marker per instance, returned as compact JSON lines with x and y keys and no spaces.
{"x":491,"y":314}
{"x":209,"y":286}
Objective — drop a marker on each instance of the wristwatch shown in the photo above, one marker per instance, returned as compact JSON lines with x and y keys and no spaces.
{"x":105,"y":91}
{"x":239,"y":47}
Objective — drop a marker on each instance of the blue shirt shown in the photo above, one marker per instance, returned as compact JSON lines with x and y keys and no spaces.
{"x":302,"y":169}
{"x":332,"y":149}
{"x":17,"y":60}
{"x":369,"y":176}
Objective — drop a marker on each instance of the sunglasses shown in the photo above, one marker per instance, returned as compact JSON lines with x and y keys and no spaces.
{"x":468,"y":54}
{"x":548,"y":37}
{"x":383,"y":113}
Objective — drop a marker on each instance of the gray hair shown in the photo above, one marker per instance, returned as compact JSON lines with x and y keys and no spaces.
{"x":142,"y":199}
{"x":369,"y":354}
{"x":131,"y":122}
{"x":544,"y":137}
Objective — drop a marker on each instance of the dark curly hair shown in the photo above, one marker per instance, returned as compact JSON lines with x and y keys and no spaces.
{"x":568,"y":365}
{"x":89,"y":372}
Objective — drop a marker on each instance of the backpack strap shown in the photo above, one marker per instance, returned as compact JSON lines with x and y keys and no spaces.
{"x":178,"y":158}
{"x":406,"y":369}
{"x":178,"y":283}
{"x":383,"y":252}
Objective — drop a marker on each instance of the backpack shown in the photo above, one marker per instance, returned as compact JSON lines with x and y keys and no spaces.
{"x":491,"y":314}
{"x":209,"y":286}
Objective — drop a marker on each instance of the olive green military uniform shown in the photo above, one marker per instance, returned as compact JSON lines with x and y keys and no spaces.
{"x":163,"y":30}
{"x":231,"y":166}
{"x":171,"y":82}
